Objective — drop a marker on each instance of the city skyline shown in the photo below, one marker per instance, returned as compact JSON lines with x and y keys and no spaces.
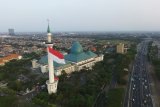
{"x":80,"y":15}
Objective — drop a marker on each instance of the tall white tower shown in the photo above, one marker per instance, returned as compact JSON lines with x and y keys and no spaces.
{"x":51,"y":83}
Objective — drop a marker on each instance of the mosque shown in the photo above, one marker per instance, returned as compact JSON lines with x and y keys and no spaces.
{"x":76,"y":60}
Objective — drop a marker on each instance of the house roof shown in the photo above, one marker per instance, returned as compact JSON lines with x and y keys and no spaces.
{"x":1,"y":61}
{"x":8,"y":58}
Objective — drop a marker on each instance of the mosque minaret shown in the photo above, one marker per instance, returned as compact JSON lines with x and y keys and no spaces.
{"x":52,"y":82}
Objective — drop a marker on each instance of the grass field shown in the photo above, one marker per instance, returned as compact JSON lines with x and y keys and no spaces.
{"x":115,"y":97}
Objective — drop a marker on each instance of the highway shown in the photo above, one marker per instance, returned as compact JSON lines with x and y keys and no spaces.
{"x":139,"y":91}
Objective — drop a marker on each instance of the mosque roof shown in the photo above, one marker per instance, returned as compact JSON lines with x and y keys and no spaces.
{"x":76,"y":48}
{"x":80,"y":57}
{"x":91,"y":54}
{"x":77,"y":54}
{"x":76,"y":57}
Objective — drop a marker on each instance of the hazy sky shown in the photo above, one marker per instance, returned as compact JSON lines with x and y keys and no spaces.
{"x":80,"y":15}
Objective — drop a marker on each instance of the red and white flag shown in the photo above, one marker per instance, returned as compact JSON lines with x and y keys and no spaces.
{"x":56,"y":56}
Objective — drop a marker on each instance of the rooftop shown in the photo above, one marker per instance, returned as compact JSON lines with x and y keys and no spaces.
{"x":76,"y":48}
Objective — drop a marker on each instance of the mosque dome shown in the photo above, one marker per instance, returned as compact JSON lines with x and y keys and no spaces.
{"x":76,"y":48}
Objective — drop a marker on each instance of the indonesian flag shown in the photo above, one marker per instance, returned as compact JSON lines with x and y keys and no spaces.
{"x":56,"y":56}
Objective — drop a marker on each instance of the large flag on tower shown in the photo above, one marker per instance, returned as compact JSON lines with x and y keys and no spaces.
{"x":56,"y":56}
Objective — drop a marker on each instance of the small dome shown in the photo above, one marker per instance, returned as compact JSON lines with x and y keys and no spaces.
{"x":76,"y":48}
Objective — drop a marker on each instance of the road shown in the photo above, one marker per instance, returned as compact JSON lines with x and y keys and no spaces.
{"x":139,"y":91}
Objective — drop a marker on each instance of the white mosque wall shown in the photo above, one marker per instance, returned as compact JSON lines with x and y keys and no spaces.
{"x":99,"y":58}
{"x":34,"y":63}
{"x":44,"y":68}
{"x":68,"y":70}
{"x":89,"y":63}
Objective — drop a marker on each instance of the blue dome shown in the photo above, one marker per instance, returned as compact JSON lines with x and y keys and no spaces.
{"x":76,"y":48}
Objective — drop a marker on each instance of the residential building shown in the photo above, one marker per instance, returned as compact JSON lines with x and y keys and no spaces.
{"x":9,"y":58}
{"x":120,"y":48}
{"x":11,"y":32}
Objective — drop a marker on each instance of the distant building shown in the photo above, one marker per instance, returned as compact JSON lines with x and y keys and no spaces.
{"x":8,"y":48}
{"x":76,"y":60}
{"x":1,"y":40}
{"x":11,"y":32}
{"x":120,"y":48}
